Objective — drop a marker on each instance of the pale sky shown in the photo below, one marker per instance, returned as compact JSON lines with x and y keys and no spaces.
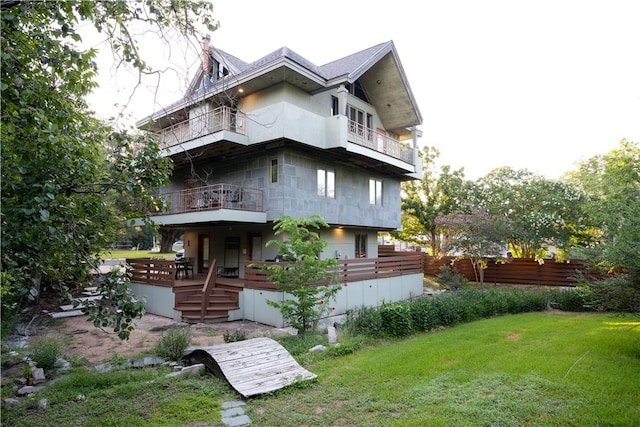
{"x":535,"y":85}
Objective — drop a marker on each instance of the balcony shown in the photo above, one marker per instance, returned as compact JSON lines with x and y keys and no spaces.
{"x":213,"y":197}
{"x":220,"y":119}
{"x":366,"y":137}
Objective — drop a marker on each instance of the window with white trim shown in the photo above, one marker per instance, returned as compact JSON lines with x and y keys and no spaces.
{"x":326,"y":183}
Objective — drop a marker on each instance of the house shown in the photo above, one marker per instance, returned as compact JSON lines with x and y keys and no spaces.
{"x":251,"y":142}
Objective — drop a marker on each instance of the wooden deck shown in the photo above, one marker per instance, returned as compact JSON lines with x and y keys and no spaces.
{"x":251,"y":367}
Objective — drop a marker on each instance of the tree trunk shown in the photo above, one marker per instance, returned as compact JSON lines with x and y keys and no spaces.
{"x":168,"y":236}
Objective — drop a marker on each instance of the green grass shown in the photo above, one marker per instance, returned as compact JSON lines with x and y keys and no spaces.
{"x":537,"y":369}
{"x":119,"y":254}
{"x":531,"y":369}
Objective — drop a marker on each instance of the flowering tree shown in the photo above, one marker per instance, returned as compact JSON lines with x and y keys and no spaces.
{"x":303,"y":275}
{"x":542,"y":212}
{"x":476,"y":235}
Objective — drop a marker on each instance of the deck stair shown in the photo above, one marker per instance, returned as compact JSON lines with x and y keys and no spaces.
{"x":188,"y":300}
{"x":210,"y":303}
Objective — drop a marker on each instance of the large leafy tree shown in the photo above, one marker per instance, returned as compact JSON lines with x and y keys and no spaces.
{"x":61,"y":168}
{"x":439,"y":193}
{"x":612,"y":183}
{"x":541,"y":212}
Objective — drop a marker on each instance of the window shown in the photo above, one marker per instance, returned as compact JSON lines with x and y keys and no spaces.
{"x":334,"y":106}
{"x":326,"y":183}
{"x":273,"y":172}
{"x":375,"y":192}
{"x":361,"y":246}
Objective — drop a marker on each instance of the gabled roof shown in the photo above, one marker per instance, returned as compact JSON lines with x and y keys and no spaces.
{"x":378,"y":68}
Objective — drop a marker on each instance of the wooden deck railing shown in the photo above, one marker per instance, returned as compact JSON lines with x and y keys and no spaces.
{"x":207,"y":289}
{"x":160,"y":272}
{"x":349,"y":270}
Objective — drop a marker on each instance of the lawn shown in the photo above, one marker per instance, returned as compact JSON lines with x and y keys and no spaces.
{"x":537,"y":369}
{"x":121,"y":254}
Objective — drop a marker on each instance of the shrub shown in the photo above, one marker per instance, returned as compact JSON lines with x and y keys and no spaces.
{"x":173,"y":342}
{"x":451,"y":278}
{"x":617,"y":293}
{"x":423,"y":314}
{"x":365,"y":321}
{"x":396,"y":320}
{"x":567,"y":299}
{"x":234,"y":336}
{"x":45,"y":352}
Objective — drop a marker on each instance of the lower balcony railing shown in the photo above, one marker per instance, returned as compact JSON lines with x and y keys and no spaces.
{"x":213,"y":197}
{"x":366,"y":137}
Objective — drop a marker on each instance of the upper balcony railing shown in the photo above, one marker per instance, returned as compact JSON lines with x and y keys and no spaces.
{"x":226,"y":118}
{"x":222,"y":118}
{"x":213,"y":197}
{"x":366,"y":137}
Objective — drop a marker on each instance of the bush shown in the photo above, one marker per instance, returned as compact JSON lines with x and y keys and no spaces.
{"x":173,"y":343}
{"x":450,"y":278}
{"x":619,"y":293}
{"x":396,"y":320}
{"x":424,"y":314}
{"x":567,"y":299}
{"x":364,"y":321}
{"x":234,"y":336}
{"x":45,"y":352}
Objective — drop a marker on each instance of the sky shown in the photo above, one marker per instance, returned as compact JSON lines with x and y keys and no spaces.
{"x":537,"y":85}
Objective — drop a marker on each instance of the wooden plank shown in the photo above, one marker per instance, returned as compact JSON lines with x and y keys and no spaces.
{"x":252,"y":367}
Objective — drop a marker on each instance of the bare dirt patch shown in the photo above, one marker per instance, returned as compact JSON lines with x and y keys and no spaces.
{"x":81,"y":339}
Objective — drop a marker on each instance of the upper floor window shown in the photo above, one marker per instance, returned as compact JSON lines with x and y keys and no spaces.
{"x":326,"y":183}
{"x":334,"y":106}
{"x":360,"y":122}
{"x":273,"y":171}
{"x":357,"y":90}
{"x":375,"y":192}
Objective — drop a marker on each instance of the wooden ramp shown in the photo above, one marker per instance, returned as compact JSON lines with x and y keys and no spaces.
{"x":252,"y":367}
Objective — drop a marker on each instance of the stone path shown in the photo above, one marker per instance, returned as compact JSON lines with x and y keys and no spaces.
{"x":233,"y":414}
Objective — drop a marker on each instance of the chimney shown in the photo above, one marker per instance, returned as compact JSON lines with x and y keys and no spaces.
{"x":206,"y":55}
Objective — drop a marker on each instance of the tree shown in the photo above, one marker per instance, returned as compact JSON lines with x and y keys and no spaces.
{"x":62,"y":168}
{"x":476,"y":235}
{"x":303,"y":275}
{"x":612,"y":185}
{"x":541,"y":212}
{"x":437,"y":194}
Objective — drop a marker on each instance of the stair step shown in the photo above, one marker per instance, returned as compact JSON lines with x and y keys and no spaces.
{"x":194,"y":309}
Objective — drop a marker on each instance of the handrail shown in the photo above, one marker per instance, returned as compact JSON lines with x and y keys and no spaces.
{"x":160,"y":272}
{"x":370,"y":138}
{"x":209,"y":284}
{"x":213,"y":197}
{"x":348,"y":270}
{"x":219,"y":119}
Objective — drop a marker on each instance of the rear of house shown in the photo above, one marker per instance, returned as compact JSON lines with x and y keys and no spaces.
{"x":252,"y":142}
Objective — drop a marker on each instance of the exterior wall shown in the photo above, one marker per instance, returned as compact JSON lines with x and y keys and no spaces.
{"x":158,"y":299}
{"x":369,"y":293}
{"x":338,"y":239}
{"x":296,"y":192}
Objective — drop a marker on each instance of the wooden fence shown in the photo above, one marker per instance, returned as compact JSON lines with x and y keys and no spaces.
{"x":521,"y":271}
{"x":349,"y":270}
